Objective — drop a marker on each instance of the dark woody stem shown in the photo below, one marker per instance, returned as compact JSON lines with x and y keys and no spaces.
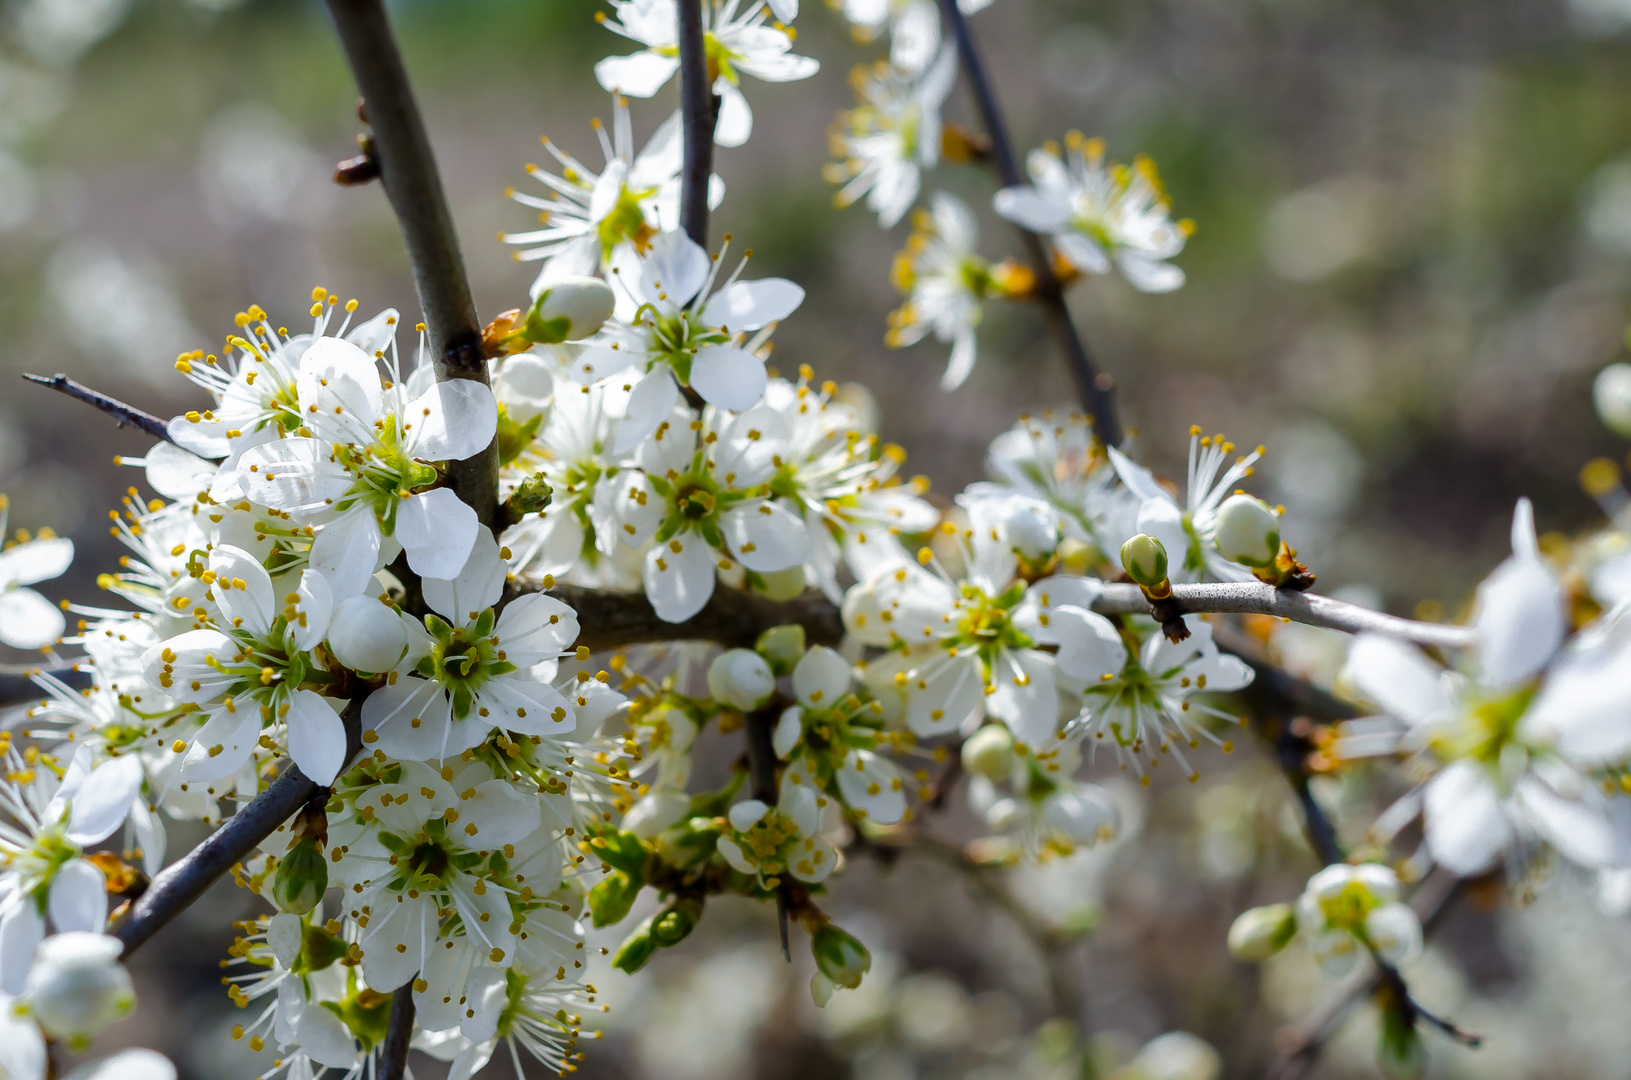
{"x":1096,"y":389}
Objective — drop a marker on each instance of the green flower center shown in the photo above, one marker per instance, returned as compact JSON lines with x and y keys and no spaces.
{"x":626,"y":221}
{"x":463,"y":659}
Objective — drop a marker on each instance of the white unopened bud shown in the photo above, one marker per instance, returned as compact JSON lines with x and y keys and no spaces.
{"x":1262,"y":931}
{"x":1031,"y":534}
{"x":1145,"y":560}
{"x":524,"y":386}
{"x":1611,"y":393}
{"x":741,"y":679}
{"x":1248,"y":531}
{"x":989,"y":752}
{"x":784,"y":584}
{"x":1177,"y":1055}
{"x":77,"y":986}
{"x":366,"y":635}
{"x":656,"y":811}
{"x":569,"y":309}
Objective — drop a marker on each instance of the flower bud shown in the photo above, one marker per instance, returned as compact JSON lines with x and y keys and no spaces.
{"x":840,"y":956}
{"x":301,"y":877}
{"x":1261,"y":932}
{"x":1177,"y":1055}
{"x":782,"y":646}
{"x":1031,"y":534}
{"x":524,"y":386}
{"x":674,"y":924}
{"x":788,"y":584}
{"x":1611,"y":393}
{"x":1248,"y":531}
{"x":366,"y":635}
{"x":1145,"y":560}
{"x":1395,"y":932}
{"x":741,"y":679}
{"x":76,"y":986}
{"x":570,"y":309}
{"x":989,"y":752}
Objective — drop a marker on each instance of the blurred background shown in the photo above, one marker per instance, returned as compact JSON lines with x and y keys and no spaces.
{"x":1413,"y":255}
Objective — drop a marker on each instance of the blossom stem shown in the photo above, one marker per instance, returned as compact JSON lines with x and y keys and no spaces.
{"x":699,"y":113}
{"x":407,"y":168}
{"x":179,"y":885}
{"x":393,"y":1053}
{"x":122,"y":413}
{"x":1096,"y":389}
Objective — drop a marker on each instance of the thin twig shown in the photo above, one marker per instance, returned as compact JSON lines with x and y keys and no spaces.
{"x":1095,"y":389}
{"x":413,"y":184}
{"x":177,"y":886}
{"x":123,"y":414}
{"x":699,"y":114}
{"x":393,"y":1052}
{"x":613,"y":619}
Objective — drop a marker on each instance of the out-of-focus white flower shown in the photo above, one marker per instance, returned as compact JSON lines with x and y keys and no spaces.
{"x":946,"y":283}
{"x":77,"y":987}
{"x":1345,"y":909}
{"x":913,"y":25}
{"x":1513,"y":741}
{"x":52,"y":820}
{"x":891,"y":136}
{"x":833,"y":739}
{"x":1100,"y":216}
{"x":737,"y":40}
{"x":1177,"y":1055}
{"x":1611,"y":393}
{"x":128,"y":1065}
{"x":27,"y":619}
{"x":22,"y":1047}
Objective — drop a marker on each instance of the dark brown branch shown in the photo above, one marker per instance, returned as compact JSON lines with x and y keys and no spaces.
{"x":1095,"y":389}
{"x":179,"y":885}
{"x":122,"y":414}
{"x":611,"y":620}
{"x":413,"y":184}
{"x":699,"y":113}
{"x":393,"y":1052}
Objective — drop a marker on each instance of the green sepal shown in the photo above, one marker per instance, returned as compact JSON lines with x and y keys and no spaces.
{"x":610,"y":901}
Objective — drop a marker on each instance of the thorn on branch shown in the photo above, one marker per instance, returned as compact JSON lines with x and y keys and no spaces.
{"x":122,"y":414}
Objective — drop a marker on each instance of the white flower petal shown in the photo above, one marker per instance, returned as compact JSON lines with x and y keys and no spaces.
{"x":177,"y":474}
{"x":325,"y":1039}
{"x":1398,"y":678}
{"x":103,"y":801}
{"x":821,"y":678}
{"x":250,"y":605}
{"x":679,"y":577}
{"x":78,"y":900}
{"x":346,"y":551}
{"x":1029,"y":209}
{"x":28,"y":620}
{"x":749,"y":305}
{"x":765,"y":536}
{"x":477,"y":585}
{"x":650,"y":403}
{"x":640,"y":75}
{"x":316,"y":736}
{"x":1466,"y":827}
{"x":673,"y":271}
{"x":451,"y":421}
{"x":735,"y":122}
{"x":438,"y":532}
